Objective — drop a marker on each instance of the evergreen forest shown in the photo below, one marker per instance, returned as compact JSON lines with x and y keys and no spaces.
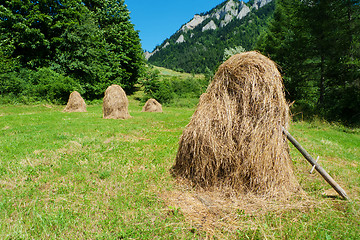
{"x":317,"y":47}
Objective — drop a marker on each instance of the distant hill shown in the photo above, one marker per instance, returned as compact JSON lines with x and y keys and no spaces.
{"x":200,"y":43}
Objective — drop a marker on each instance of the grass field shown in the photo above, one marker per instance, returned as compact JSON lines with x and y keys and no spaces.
{"x":78,"y":176}
{"x":165,"y":72}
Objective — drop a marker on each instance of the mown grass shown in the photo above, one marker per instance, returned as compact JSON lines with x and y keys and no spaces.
{"x":78,"y":176}
{"x":165,"y":72}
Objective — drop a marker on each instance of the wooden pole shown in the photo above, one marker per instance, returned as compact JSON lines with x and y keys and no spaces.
{"x":323,"y":173}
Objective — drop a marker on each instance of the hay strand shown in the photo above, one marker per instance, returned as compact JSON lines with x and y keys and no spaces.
{"x":152,"y":105}
{"x":115,"y":103}
{"x":75,"y":103}
{"x":234,"y":138}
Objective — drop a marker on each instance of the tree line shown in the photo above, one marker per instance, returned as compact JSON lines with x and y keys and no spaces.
{"x":50,"y":48}
{"x":82,"y":45}
{"x":316,"y":43}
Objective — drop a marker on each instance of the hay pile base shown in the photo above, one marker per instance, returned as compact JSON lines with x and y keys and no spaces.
{"x":234,"y":139}
{"x":221,"y":213}
{"x":152,"y":105}
{"x":75,"y":103}
{"x":115,"y":103}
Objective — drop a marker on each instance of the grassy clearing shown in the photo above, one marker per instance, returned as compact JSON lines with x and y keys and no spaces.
{"x":165,"y":72}
{"x":76,"y":175}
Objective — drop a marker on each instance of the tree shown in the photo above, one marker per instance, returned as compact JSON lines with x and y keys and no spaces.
{"x":286,"y":44}
{"x":91,"y":41}
{"x":122,"y":43}
{"x":313,"y":42}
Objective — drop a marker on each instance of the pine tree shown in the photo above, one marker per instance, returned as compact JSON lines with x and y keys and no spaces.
{"x":331,"y":43}
{"x":314,"y":44}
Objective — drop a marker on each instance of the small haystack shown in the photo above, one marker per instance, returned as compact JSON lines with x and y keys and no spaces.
{"x":234,"y":138}
{"x":115,"y":103}
{"x":152,"y":105}
{"x":75,"y":103}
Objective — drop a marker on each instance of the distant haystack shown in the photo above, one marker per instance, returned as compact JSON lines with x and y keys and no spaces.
{"x":75,"y":103}
{"x":115,"y":103}
{"x":152,"y":105}
{"x":234,"y":138}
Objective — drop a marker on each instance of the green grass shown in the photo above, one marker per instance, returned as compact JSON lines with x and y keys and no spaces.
{"x":78,"y":176}
{"x":165,"y":72}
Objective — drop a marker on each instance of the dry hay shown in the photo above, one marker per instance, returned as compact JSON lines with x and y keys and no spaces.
{"x":152,"y":105}
{"x":75,"y":103}
{"x":115,"y":103}
{"x":219,"y":213}
{"x":234,"y":139}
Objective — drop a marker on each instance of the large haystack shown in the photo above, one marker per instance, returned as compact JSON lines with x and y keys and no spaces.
{"x":75,"y":103}
{"x":115,"y":103}
{"x":152,"y":105}
{"x":234,"y":138}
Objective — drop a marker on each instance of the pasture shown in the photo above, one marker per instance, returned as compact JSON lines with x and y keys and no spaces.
{"x":79,"y":176}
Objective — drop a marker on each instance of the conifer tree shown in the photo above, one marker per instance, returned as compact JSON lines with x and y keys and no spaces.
{"x":314,"y":44}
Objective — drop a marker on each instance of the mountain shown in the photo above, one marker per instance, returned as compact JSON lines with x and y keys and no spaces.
{"x":199,"y":44}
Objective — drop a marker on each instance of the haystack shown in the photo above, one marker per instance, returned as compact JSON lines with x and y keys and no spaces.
{"x":115,"y":103}
{"x":75,"y":103}
{"x":234,"y":138}
{"x":152,"y":105}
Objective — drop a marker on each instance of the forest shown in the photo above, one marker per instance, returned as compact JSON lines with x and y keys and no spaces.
{"x":317,"y":47}
{"x":50,"y":48}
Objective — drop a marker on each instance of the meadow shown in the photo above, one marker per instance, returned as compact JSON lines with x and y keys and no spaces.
{"x":79,"y":176}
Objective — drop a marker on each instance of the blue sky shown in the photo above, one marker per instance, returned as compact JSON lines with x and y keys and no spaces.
{"x":158,"y":20}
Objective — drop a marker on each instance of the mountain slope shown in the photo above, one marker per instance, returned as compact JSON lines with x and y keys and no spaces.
{"x":199,"y":44}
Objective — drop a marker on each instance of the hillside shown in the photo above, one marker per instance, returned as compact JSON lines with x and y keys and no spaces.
{"x":200,"y":43}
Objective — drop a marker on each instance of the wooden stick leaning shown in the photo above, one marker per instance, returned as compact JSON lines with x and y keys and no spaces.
{"x":323,"y":173}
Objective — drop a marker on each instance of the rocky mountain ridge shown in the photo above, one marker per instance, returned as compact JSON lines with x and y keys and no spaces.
{"x":200,"y":43}
{"x":223,"y":14}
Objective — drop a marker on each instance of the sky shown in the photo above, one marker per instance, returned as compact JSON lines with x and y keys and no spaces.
{"x":158,"y":19}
